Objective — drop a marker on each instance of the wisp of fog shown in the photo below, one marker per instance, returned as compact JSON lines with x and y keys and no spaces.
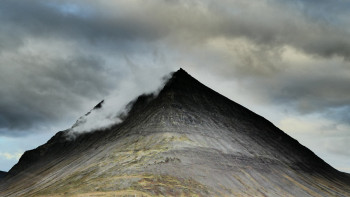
{"x":116,"y":105}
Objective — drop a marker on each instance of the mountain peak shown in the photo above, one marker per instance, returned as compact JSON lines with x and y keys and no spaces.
{"x":181,"y":72}
{"x":181,"y":81}
{"x":188,"y":140}
{"x":180,"y":75}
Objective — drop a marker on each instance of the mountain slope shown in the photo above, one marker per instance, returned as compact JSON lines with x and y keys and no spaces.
{"x":2,"y":174}
{"x":188,"y":140}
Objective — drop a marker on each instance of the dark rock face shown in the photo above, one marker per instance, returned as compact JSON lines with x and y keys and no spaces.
{"x":188,"y":140}
{"x":2,"y":174}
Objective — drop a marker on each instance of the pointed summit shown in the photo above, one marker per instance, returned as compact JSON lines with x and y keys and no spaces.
{"x":181,"y":71}
{"x":181,"y":74}
{"x":187,"y":141}
{"x":182,"y":79}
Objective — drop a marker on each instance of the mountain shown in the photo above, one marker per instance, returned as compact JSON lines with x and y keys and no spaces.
{"x":188,"y":140}
{"x":2,"y":174}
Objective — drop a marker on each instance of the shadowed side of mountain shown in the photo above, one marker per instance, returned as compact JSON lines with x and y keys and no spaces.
{"x":2,"y":174}
{"x":185,"y":102}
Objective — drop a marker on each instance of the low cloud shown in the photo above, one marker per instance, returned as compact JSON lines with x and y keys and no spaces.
{"x":112,"y":110}
{"x":43,"y":89}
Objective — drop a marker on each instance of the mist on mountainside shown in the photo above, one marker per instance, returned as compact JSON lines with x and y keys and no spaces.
{"x":112,"y":109}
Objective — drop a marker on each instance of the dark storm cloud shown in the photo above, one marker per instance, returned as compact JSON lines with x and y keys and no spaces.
{"x":39,"y":87}
{"x":326,"y":93}
{"x":58,"y":57}
{"x":51,"y":20}
{"x":272,"y":23}
{"x":34,"y":93}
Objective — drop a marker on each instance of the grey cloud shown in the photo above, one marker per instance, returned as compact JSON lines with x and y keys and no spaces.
{"x":265,"y":22}
{"x":323,"y":91}
{"x":320,"y":92}
{"x":42,"y":20}
{"x":338,"y":145}
{"x":33,"y":93}
{"x":108,"y":38}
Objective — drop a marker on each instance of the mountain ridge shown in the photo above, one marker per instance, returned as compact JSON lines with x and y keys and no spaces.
{"x":186,"y":124}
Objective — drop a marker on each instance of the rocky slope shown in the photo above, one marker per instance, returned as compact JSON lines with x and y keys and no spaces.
{"x":188,"y":140}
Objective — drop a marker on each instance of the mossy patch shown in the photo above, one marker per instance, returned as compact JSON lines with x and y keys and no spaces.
{"x":145,"y":184}
{"x":166,"y":185}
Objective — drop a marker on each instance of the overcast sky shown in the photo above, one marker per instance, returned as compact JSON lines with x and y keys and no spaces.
{"x":287,"y":60}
